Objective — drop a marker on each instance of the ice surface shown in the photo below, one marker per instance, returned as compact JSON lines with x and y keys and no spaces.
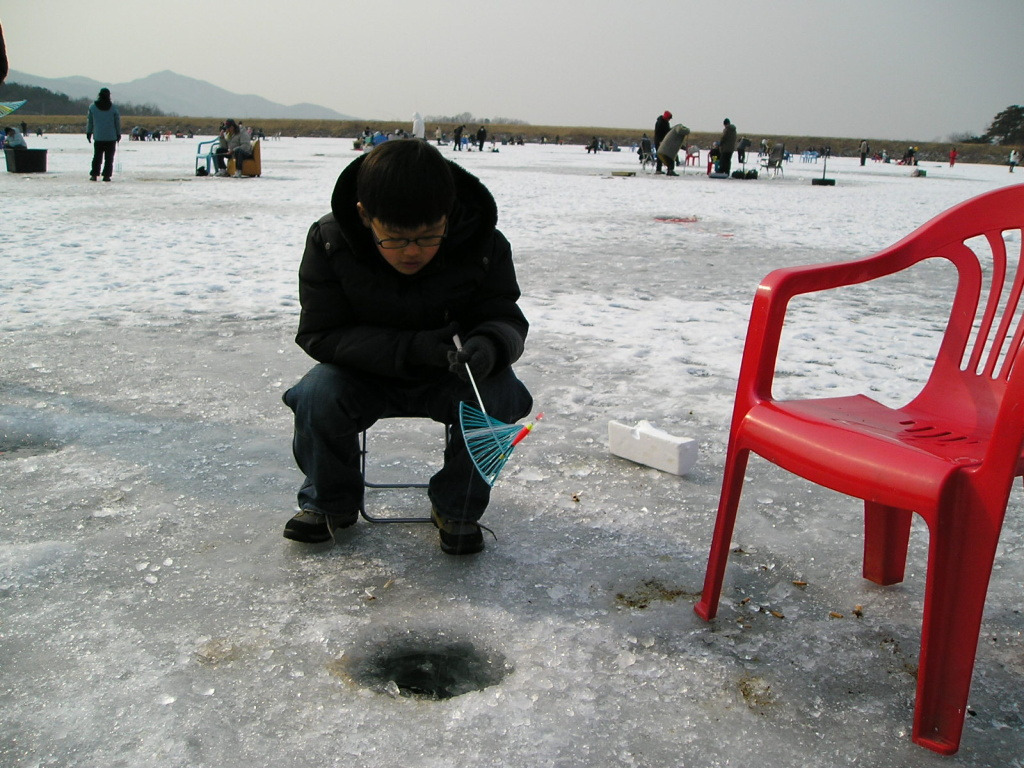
{"x":152,"y":614}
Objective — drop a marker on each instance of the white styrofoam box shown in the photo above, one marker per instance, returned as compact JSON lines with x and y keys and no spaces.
{"x":646,"y":444}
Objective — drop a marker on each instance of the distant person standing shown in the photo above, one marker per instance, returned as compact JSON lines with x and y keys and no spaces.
{"x":481,"y":137}
{"x":864,"y":151}
{"x":726,"y":146}
{"x":419,"y":130}
{"x":457,"y":137}
{"x":1014,"y":159}
{"x":103,"y":129}
{"x":952,"y":157}
{"x":661,"y":129}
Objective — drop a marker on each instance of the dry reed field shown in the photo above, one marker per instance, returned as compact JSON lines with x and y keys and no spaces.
{"x":624,"y":137}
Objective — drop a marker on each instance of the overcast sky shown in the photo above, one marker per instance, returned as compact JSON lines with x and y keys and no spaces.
{"x":917,"y":69}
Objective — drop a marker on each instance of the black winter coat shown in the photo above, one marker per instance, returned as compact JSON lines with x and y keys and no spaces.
{"x":661,"y":129}
{"x":728,"y":141}
{"x":360,"y":312}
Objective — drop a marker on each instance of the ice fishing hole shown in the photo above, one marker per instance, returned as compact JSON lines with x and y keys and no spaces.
{"x":431,"y":666}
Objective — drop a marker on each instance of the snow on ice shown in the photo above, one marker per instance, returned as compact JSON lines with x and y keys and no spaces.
{"x":153,"y":614}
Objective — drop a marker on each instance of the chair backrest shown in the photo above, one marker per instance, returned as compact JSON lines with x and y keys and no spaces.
{"x":976,"y":361}
{"x":209,"y":144}
{"x":775,"y":157}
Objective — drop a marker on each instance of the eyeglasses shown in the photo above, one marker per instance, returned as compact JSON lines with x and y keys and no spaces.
{"x":394,"y":243}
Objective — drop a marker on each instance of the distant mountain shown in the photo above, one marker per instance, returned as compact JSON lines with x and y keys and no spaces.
{"x":184,"y":96}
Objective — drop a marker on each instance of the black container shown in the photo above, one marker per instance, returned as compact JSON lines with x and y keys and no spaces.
{"x":26,"y":160}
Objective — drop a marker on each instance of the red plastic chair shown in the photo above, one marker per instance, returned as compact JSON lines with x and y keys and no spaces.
{"x":949,"y":455}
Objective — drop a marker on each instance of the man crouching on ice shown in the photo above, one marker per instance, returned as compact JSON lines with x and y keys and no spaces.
{"x":409,"y":256}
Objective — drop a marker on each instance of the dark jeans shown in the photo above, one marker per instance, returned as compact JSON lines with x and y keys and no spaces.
{"x":241,"y":155}
{"x":103,"y":151}
{"x":333,"y":405}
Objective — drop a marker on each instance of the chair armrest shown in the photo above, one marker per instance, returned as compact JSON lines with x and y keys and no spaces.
{"x":199,"y":149}
{"x":788,"y":282}
{"x":771,"y":302}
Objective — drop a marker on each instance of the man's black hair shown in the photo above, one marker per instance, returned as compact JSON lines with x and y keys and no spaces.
{"x":406,"y":183}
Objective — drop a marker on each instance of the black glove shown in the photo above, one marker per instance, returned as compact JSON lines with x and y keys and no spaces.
{"x":431,"y":348}
{"x":478,"y":353}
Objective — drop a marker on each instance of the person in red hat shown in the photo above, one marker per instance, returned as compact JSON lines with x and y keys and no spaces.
{"x":661,"y":129}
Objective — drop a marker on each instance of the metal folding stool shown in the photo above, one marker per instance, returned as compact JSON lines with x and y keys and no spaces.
{"x":368,"y":484}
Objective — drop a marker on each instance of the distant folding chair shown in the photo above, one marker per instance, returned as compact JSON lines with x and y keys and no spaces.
{"x":950,"y":455}
{"x":773,"y":162}
{"x":647,"y":159}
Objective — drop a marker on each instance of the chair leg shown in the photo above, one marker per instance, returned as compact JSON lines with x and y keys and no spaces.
{"x":367,"y":484}
{"x":959,"y":567}
{"x":886,"y":537}
{"x":728,"y":503}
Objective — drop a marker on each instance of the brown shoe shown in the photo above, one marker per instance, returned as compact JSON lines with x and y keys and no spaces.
{"x":458,"y":537}
{"x":311,"y":527}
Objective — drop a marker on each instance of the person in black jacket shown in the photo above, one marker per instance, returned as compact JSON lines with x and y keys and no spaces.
{"x":409,"y":257}
{"x":726,"y":146}
{"x":661,"y":129}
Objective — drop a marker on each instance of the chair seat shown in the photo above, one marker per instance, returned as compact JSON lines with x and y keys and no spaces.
{"x":836,"y":442}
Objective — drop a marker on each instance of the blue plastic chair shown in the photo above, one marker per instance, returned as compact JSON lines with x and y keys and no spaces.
{"x":209,"y":156}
